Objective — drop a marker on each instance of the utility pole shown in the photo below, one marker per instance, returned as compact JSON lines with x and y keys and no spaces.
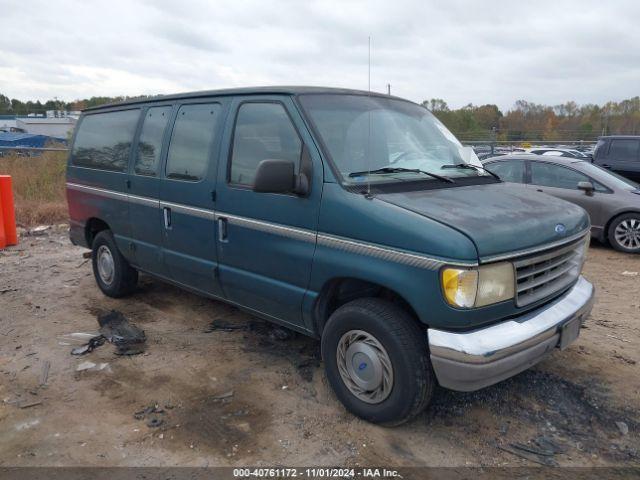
{"x":388,"y":89}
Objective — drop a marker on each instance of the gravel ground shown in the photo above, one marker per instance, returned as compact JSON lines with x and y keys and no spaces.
{"x":256,"y":395}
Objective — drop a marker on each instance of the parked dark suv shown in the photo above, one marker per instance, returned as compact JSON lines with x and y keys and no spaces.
{"x":620,"y":153}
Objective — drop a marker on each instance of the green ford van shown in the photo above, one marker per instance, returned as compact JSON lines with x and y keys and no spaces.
{"x":353,"y":217}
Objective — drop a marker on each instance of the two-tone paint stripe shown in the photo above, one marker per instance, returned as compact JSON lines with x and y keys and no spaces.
{"x":324,"y":239}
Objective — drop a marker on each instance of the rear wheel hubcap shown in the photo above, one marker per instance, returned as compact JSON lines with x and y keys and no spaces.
{"x":105,"y":264}
{"x":627,"y":233}
{"x":364,"y":366}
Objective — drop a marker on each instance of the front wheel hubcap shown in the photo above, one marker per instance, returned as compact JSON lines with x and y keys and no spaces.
{"x":627,"y":233}
{"x":364,"y":366}
{"x":105,"y":264}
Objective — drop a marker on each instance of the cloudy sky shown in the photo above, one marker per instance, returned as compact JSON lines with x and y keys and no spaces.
{"x":463,"y":51}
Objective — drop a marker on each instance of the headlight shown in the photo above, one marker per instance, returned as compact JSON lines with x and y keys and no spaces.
{"x":477,"y":287}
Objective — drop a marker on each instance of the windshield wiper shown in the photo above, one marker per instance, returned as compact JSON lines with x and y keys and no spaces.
{"x":383,"y":170}
{"x":472,"y":167}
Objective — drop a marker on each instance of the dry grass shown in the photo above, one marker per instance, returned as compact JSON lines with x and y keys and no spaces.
{"x":38,"y":187}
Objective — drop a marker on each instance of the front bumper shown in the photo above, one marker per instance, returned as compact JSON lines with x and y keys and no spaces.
{"x":472,"y":360}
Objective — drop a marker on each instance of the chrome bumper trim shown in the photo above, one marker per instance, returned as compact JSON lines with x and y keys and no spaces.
{"x":502,"y":346}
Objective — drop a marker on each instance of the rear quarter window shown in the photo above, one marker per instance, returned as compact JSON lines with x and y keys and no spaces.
{"x":624,"y":149}
{"x":103,"y":140}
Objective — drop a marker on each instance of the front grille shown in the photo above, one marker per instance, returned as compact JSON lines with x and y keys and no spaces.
{"x":543,"y":274}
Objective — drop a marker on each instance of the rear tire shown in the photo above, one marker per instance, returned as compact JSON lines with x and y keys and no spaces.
{"x":624,"y":233}
{"x":376,"y":360}
{"x":113,"y":274}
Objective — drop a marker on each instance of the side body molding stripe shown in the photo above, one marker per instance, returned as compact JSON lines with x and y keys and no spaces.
{"x":332,"y":241}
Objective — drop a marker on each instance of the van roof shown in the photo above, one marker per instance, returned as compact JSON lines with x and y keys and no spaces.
{"x":286,"y":90}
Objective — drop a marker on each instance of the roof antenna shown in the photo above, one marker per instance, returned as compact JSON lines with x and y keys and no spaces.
{"x":369,"y":133}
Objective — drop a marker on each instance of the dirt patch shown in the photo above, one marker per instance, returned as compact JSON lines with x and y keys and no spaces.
{"x":281,"y":409}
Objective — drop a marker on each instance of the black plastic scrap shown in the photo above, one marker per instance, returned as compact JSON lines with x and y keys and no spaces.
{"x":541,"y":450}
{"x":94,"y":342}
{"x":128,"y":339}
{"x":116,"y":329}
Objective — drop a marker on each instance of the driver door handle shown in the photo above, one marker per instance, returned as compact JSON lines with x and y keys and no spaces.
{"x":606,"y":165}
{"x":222,"y":230}
{"x":166,"y":213}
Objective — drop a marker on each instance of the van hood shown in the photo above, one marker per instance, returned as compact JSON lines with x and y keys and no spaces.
{"x":499,"y":218}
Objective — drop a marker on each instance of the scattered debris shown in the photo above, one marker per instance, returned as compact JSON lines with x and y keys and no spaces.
{"x":44,"y":375}
{"x":115,"y":328}
{"x":142,"y":414}
{"x":626,"y":273}
{"x":515,"y":449}
{"x":618,"y":338}
{"x":623,"y":427}
{"x":39,"y":230}
{"x":86,"y":254}
{"x":128,"y":339}
{"x":7,"y":290}
{"x":94,"y":342}
{"x":626,"y":360}
{"x":155,"y":422}
{"x":27,"y":425}
{"x":30,"y":404}
{"x":225,"y":326}
{"x":152,"y":414}
{"x":274,"y":332}
{"x":222,"y":396}
{"x":91,"y":366}
{"x":80,"y":337}
{"x":85,"y":366}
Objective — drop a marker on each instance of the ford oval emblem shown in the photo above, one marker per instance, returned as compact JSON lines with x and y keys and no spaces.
{"x":560,"y":228}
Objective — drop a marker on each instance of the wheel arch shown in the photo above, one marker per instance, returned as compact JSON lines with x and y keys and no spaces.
{"x":341,"y":290}
{"x":616,"y":216}
{"x":93,"y":226}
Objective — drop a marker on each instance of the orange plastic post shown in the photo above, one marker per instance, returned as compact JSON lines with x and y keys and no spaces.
{"x":8,"y":210}
{"x":3,"y":240}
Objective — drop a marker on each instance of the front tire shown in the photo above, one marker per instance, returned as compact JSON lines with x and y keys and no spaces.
{"x":113,"y":274}
{"x":376,"y":360}
{"x":624,"y":233}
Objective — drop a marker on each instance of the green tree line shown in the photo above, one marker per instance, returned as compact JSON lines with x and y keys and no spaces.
{"x":528,"y":121}
{"x":13,"y":106}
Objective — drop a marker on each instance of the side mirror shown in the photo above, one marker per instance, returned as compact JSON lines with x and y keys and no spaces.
{"x":275,"y":176}
{"x":587,"y":187}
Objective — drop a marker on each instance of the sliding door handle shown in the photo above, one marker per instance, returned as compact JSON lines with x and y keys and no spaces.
{"x":222,"y":229}
{"x":166,"y":213}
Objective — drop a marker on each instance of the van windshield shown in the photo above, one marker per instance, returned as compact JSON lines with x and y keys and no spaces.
{"x":377,"y":139}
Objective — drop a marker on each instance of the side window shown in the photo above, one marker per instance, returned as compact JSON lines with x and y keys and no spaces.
{"x":191,"y":141}
{"x":508,"y":171}
{"x":624,"y":149}
{"x":104,"y":140}
{"x":150,"y":143}
{"x":263,"y":131}
{"x":550,"y":175}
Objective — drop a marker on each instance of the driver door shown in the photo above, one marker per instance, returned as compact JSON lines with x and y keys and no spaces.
{"x":266,"y":241}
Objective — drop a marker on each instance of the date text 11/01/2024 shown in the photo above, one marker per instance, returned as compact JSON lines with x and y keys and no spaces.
{"x":315,"y":473}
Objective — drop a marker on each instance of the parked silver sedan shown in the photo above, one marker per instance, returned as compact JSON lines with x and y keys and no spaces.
{"x":613,"y":202}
